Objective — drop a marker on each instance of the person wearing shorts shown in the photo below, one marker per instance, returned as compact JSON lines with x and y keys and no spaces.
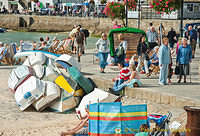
{"x":80,"y":38}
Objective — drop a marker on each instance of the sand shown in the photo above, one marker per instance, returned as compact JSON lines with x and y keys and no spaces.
{"x":14,"y":122}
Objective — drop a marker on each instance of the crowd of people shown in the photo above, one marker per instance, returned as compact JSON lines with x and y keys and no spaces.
{"x":162,"y":47}
{"x":84,"y":10}
{"x":155,"y":57}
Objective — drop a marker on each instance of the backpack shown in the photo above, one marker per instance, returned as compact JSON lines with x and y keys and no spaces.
{"x":120,"y":50}
{"x":79,"y":37}
{"x":86,"y":32}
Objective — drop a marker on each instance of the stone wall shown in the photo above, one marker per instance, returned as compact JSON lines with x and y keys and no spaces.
{"x":95,"y":25}
{"x":150,"y":95}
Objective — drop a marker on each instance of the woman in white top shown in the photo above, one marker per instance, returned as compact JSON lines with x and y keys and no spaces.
{"x":103,"y":46}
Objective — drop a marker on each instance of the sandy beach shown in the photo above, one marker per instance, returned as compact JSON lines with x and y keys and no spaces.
{"x":14,"y":122}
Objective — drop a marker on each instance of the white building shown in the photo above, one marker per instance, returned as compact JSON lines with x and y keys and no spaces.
{"x":11,"y":4}
{"x":44,"y":3}
{"x":4,"y":3}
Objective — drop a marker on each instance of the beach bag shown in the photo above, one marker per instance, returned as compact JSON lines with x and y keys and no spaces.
{"x":80,"y":79}
{"x":67,"y":102}
{"x":52,"y":92}
{"x":177,"y":70}
{"x":115,"y":119}
{"x":28,"y":92}
{"x":120,"y":50}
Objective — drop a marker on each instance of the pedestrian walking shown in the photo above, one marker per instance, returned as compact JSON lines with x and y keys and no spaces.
{"x":142,"y":55}
{"x":103,"y":46}
{"x":163,"y":61}
{"x":79,"y":40}
{"x":152,"y":36}
{"x":183,"y":59}
{"x":193,"y":39}
{"x":172,"y":37}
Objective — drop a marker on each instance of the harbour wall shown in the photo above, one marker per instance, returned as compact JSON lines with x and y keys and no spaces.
{"x":95,"y":25}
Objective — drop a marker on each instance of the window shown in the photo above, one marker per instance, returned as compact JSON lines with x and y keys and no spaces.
{"x":47,"y":5}
{"x":190,"y":7}
{"x":1,"y":4}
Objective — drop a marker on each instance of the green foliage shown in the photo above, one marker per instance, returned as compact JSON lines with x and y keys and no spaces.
{"x":115,"y":10}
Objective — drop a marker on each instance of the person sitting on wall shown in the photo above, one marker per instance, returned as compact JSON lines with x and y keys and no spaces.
{"x":123,"y":76}
{"x":133,"y":81}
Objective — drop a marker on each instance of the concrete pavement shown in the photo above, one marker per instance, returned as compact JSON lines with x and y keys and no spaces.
{"x":177,"y":95}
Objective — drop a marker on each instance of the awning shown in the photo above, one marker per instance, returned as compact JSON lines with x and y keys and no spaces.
{"x":13,"y":2}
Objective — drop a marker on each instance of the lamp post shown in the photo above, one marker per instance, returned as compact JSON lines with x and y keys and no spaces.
{"x":139,"y":15}
{"x":126,"y":13}
{"x":181,"y":22}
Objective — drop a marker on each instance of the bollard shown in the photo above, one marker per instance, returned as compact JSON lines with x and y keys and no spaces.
{"x":193,"y":121}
